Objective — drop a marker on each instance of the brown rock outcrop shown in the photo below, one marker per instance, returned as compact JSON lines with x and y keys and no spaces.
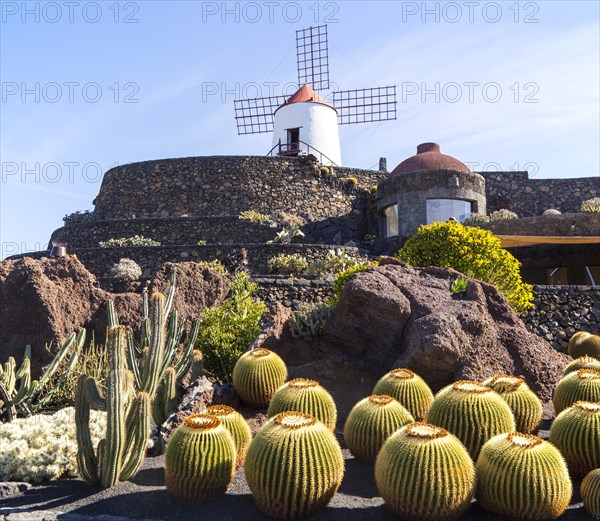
{"x":44,"y":300}
{"x":399,"y":316}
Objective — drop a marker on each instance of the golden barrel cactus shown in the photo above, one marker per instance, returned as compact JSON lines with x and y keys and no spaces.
{"x":576,"y":433}
{"x":590,"y":493}
{"x":584,"y":343}
{"x":581,"y":385}
{"x":583,"y":362}
{"x":473,"y":412}
{"x":525,"y":405}
{"x":294,"y":466}
{"x":521,"y":476}
{"x":199,"y":460}
{"x":257,"y":374}
{"x":372,"y":421}
{"x":424,"y":473}
{"x":409,"y":389}
{"x":307,"y":396}
{"x":237,"y":426}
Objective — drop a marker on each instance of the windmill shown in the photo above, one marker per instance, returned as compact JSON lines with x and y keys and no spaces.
{"x":306,"y":123}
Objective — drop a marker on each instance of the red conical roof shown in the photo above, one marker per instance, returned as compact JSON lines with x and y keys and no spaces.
{"x":305,"y":94}
{"x":429,"y":157}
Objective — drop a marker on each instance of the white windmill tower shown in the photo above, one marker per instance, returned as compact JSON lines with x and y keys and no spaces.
{"x":306,"y":123}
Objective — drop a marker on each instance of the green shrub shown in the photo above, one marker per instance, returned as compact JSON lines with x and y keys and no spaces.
{"x":474,"y":219}
{"x":324,"y":170}
{"x":503,"y":215}
{"x":201,"y":242}
{"x":351,"y":181}
{"x":459,"y":285}
{"x":334,"y":263}
{"x":286,"y":236}
{"x":284,"y":264}
{"x":591,"y":205}
{"x":123,"y":242}
{"x":342,"y":277}
{"x":309,"y":319}
{"x":472,"y":251}
{"x":215,"y":264}
{"x":228,"y":330}
{"x":79,"y":217}
{"x":254,"y":216}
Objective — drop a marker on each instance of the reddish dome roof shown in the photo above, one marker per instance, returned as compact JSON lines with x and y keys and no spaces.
{"x":429,"y":157}
{"x":304,"y":94}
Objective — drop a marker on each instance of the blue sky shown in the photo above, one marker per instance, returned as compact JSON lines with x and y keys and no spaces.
{"x":88,"y":85}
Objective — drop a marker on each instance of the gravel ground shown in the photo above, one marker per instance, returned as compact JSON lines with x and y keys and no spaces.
{"x":145,"y":498}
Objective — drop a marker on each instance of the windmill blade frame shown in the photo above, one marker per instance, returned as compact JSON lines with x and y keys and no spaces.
{"x":365,"y":105}
{"x":255,"y":115}
{"x":312,"y":57}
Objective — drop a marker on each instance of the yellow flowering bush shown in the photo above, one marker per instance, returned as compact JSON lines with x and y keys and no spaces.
{"x":472,"y":251}
{"x":44,"y":447}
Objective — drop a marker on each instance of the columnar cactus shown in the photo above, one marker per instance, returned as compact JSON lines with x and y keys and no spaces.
{"x":306,"y":396}
{"x":372,"y":421}
{"x":590,"y":493}
{"x":409,"y":389}
{"x":120,"y":454}
{"x":525,"y":405}
{"x":199,"y":460}
{"x":583,"y":362}
{"x":584,"y":343}
{"x":237,"y":426}
{"x":520,"y":476}
{"x":473,"y":412}
{"x":423,"y":473}
{"x":294,"y":466}
{"x":580,"y":385}
{"x":576,"y":433}
{"x":257,"y":375}
{"x":20,"y":390}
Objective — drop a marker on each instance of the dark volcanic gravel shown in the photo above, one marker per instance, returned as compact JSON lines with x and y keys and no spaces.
{"x":145,"y":498}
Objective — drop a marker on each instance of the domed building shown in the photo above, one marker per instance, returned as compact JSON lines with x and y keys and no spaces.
{"x":425,"y":188}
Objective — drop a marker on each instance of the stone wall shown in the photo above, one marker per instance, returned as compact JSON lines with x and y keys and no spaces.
{"x":166,"y":230}
{"x":100,"y":260}
{"x":530,"y":197}
{"x":226,"y":185}
{"x":565,"y":225}
{"x":561,"y":311}
{"x":292,"y":291}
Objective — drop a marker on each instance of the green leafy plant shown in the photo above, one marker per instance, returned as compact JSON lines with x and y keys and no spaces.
{"x":254,"y":216}
{"x":474,"y":219}
{"x":286,"y":236}
{"x":123,"y":242}
{"x":459,"y":285}
{"x":343,"y":276}
{"x":335,"y":262}
{"x":309,"y":319}
{"x":228,"y":330}
{"x":590,"y":205}
{"x":214,"y":265}
{"x":201,"y":242}
{"x":503,"y":215}
{"x":79,"y":217}
{"x":287,"y":264}
{"x":472,"y":251}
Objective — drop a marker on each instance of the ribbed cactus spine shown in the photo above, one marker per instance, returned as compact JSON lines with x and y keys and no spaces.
{"x":576,"y":433}
{"x":294,"y":466}
{"x":520,"y":476}
{"x":583,"y":362}
{"x":409,"y":389}
{"x":473,"y":412}
{"x":372,"y":421}
{"x":237,"y":426}
{"x":167,"y":397}
{"x":257,"y":375}
{"x":423,"y":473}
{"x":525,"y":405}
{"x":584,"y":343}
{"x":590,"y":493}
{"x":199,"y":460}
{"x":581,"y":385}
{"x":121,"y":452}
{"x":303,"y":395}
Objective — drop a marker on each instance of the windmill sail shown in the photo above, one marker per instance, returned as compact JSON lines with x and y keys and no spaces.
{"x":312,"y":57}
{"x":365,"y":105}
{"x":255,"y":115}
